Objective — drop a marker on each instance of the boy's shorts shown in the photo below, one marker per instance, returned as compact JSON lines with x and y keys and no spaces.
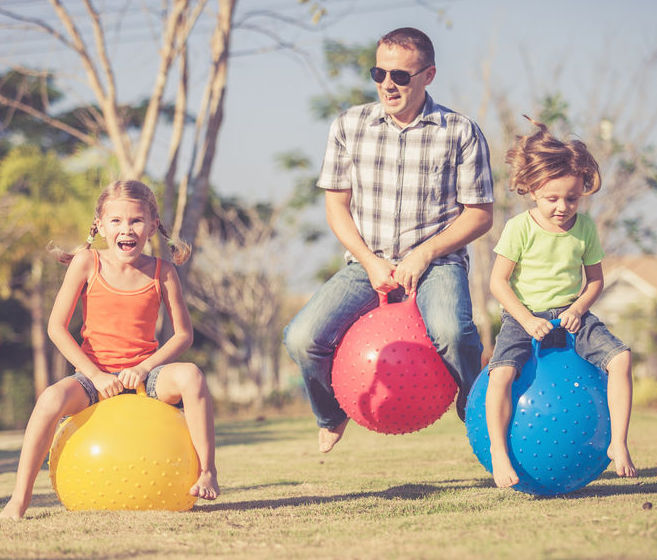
{"x":593,"y":341}
{"x":149,"y":383}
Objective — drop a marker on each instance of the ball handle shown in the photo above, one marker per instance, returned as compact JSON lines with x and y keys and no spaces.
{"x":140,"y":391}
{"x":383,"y":299}
{"x":570,"y":339}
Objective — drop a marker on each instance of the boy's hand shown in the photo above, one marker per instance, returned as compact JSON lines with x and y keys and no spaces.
{"x":133,"y":377}
{"x":107,"y":385}
{"x":571,"y":320}
{"x":537,"y":327}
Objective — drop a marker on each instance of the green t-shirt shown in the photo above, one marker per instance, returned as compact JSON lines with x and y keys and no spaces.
{"x":548,"y":270}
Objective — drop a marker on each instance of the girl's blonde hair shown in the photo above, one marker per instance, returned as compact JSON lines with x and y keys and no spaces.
{"x":538,"y":158}
{"x":134,"y":190}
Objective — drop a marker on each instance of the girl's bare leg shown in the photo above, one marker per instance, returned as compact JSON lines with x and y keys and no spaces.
{"x":498,"y":415}
{"x":64,"y":398}
{"x":186,"y":381}
{"x":619,"y":396}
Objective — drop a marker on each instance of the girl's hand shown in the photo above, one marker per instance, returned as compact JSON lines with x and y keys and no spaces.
{"x":571,"y":320}
{"x":537,"y":327}
{"x":133,"y":377}
{"x":107,"y":385}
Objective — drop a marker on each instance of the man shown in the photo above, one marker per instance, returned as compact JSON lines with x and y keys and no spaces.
{"x":408,"y":185}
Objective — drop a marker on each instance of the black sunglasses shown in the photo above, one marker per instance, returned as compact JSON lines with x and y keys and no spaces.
{"x":400,"y":77}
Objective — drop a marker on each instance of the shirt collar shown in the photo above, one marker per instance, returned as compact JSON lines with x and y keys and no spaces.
{"x":431,"y":114}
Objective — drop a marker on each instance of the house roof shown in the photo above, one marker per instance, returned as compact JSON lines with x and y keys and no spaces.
{"x":638,"y":270}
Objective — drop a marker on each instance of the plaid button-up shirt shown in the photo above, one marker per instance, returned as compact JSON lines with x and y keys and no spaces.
{"x":407,"y":184}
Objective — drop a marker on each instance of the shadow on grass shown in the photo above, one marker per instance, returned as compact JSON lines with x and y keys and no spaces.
{"x":403,"y":492}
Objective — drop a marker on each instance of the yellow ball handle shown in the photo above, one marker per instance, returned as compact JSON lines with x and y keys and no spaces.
{"x":140,"y":391}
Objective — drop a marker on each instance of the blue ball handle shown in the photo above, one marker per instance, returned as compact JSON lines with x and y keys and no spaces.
{"x":570,"y":339}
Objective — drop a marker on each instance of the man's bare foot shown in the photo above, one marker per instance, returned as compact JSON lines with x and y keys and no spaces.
{"x":328,"y":437}
{"x":12,"y":510}
{"x":504,"y":474}
{"x":620,"y":455}
{"x":206,"y":486}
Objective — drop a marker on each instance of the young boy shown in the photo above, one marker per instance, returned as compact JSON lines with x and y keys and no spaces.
{"x":537,"y":276}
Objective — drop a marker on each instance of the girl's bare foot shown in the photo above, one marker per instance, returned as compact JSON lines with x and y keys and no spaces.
{"x":206,"y":486}
{"x":13,"y":510}
{"x":504,"y":474}
{"x":620,"y":454}
{"x":328,"y":437}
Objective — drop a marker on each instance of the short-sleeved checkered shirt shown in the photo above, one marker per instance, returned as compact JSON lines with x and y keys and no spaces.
{"x":407,"y":184}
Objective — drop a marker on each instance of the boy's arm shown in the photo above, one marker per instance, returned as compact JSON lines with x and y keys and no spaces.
{"x":571,"y":318}
{"x":341,"y":222}
{"x":501,"y":289}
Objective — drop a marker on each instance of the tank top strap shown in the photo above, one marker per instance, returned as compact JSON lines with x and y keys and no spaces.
{"x":156,"y":278}
{"x":96,"y":272}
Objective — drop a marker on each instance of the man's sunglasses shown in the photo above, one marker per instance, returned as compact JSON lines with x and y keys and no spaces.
{"x":400,"y":77}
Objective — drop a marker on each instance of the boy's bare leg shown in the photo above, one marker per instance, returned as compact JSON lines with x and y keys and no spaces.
{"x":619,"y":396}
{"x":186,"y":381}
{"x":62,"y":399}
{"x":328,"y":437}
{"x":498,"y":415}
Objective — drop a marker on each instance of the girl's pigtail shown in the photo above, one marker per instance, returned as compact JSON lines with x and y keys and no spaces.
{"x":180,"y":250}
{"x":64,"y":257}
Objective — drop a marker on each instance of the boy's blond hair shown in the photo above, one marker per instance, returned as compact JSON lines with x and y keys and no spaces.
{"x":538,"y":158}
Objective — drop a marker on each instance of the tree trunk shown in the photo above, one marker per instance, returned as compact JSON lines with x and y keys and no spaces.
{"x":39,"y":345}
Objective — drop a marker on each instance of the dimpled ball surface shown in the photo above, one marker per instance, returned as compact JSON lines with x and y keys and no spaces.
{"x":559,"y":430}
{"x":387,"y":375}
{"x":129,"y":452}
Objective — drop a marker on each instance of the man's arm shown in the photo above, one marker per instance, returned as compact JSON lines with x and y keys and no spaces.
{"x":339,"y":218}
{"x":473,"y":222}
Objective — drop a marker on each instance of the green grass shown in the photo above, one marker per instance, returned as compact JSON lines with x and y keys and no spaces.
{"x":422,"y":495}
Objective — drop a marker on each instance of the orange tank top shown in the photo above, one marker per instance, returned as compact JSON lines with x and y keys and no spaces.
{"x":118,"y":327}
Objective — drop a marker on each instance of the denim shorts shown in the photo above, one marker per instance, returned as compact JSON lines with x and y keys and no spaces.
{"x":593,"y":341}
{"x":149,"y":383}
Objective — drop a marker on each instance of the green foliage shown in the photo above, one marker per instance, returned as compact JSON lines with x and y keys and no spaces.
{"x":355,"y":61}
{"x":645,"y":392}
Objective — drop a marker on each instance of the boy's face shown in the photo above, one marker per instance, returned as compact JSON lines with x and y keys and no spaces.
{"x":557,"y":202}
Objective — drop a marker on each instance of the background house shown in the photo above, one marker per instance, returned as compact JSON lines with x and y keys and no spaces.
{"x":628,"y":305}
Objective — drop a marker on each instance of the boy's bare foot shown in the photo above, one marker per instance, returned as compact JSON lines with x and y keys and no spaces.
{"x":206,"y":486}
{"x":504,"y":474}
{"x":620,"y":455}
{"x":12,"y":510}
{"x":328,"y":437}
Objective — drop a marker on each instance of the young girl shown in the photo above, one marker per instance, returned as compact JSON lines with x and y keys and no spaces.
{"x":121,"y":290}
{"x":537,"y":276}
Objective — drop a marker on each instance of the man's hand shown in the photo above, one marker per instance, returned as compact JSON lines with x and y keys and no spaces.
{"x":381,"y":274}
{"x":411,"y":268}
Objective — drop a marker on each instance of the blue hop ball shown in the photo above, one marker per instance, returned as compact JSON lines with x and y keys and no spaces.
{"x":559,"y":430}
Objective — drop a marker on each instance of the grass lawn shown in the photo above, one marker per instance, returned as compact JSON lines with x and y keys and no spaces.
{"x":422,"y":495}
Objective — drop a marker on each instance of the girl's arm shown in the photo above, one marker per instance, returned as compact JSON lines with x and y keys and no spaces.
{"x":183,"y":334}
{"x":501,"y":289}
{"x":571,"y":318}
{"x":77,"y":275}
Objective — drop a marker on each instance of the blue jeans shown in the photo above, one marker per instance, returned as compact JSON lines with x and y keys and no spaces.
{"x":443,"y":298}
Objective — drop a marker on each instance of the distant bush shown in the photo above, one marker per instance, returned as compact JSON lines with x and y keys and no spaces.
{"x":645,"y":392}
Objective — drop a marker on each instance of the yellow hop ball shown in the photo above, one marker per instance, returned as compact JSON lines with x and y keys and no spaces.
{"x":130,"y":452}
